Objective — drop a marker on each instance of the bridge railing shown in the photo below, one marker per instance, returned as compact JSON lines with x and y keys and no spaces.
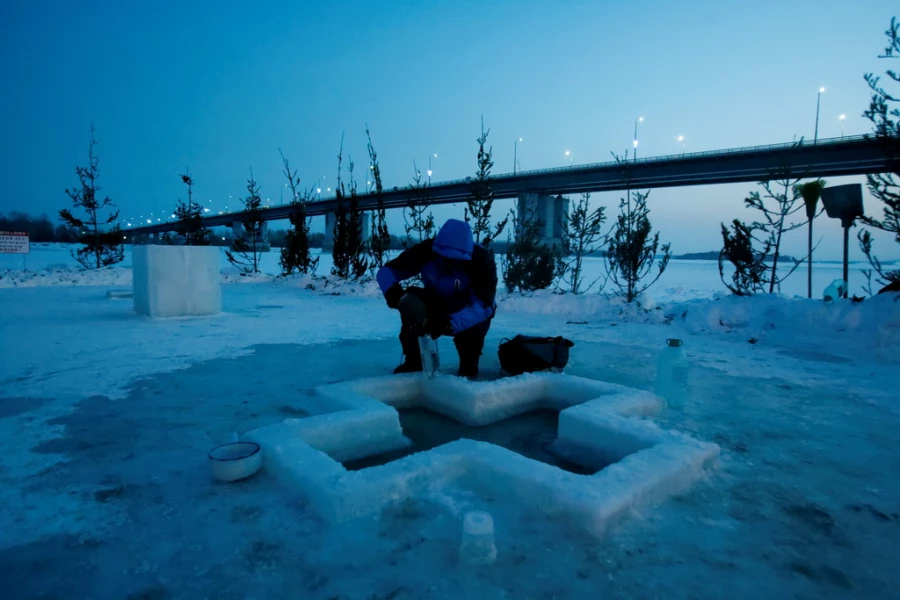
{"x":668,"y":157}
{"x":649,"y":159}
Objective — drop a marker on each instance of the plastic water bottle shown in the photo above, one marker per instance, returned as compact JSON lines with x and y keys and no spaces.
{"x":672,"y":373}
{"x":431,"y":358}
{"x":837,"y":289}
{"x":477,"y":546}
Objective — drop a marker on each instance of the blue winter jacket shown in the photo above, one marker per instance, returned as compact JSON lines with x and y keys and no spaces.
{"x":463,"y":274}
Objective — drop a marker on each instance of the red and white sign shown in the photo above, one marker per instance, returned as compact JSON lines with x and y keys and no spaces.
{"x":14,"y":242}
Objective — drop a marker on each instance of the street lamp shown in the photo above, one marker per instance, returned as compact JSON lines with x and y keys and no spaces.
{"x":681,"y":141}
{"x":636,"y":121}
{"x":429,"y":167}
{"x":516,"y":155}
{"x":818,"y":102}
{"x":569,"y":155}
{"x":841,"y":119}
{"x":282,"y":193}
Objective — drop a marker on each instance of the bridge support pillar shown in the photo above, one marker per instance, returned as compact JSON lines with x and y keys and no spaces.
{"x":261,"y":242}
{"x":550,"y":210}
{"x":331,"y":220}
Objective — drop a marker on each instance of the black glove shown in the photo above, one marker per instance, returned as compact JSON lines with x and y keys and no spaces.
{"x":438,"y":326}
{"x":393,"y":294}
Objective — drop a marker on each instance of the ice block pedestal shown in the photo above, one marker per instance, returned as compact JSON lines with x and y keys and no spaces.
{"x":176,"y":281}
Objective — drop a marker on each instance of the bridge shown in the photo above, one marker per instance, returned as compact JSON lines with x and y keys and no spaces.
{"x":836,"y":157}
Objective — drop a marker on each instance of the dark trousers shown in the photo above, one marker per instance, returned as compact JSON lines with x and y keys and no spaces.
{"x":419,"y":305}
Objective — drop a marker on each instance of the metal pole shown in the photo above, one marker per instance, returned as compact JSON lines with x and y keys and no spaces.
{"x":818,"y":102}
{"x":635,"y":139}
{"x":846,"y":261}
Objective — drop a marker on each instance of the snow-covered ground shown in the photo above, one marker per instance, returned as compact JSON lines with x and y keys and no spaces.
{"x":106,"y":418}
{"x":683,"y":279}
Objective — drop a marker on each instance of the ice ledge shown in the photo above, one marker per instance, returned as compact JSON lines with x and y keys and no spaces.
{"x":599,"y":423}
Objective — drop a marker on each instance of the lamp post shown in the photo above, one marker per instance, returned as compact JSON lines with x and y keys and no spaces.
{"x":818,"y":103}
{"x":681,"y":141}
{"x":841,"y":119}
{"x":569,"y":155}
{"x":516,"y":155}
{"x":429,"y":167}
{"x":636,"y":121}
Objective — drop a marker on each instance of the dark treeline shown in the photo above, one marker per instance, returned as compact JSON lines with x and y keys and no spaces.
{"x":39,"y":229}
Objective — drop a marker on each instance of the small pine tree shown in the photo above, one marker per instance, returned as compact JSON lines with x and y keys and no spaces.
{"x":380,"y":239}
{"x":530,"y":263}
{"x":295,"y":250}
{"x":750,"y":268}
{"x":340,"y":251}
{"x":631,"y":250}
{"x":582,"y":235}
{"x":355,"y":232}
{"x":189,"y":226}
{"x":246,"y":249}
{"x":478,"y":211}
{"x":418,"y":226}
{"x":102,"y":240}
{"x":883,"y":113}
{"x":349,"y":258}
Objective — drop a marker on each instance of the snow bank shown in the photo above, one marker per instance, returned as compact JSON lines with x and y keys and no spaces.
{"x":63,"y":275}
{"x":588,"y":306}
{"x":875,"y":322}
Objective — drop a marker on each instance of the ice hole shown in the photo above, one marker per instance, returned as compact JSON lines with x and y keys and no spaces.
{"x":529,"y":434}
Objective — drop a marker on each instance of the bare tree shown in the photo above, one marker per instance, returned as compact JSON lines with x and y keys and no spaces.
{"x":884,"y":113}
{"x":582,"y":235}
{"x":101,"y":238}
{"x":780,"y":200}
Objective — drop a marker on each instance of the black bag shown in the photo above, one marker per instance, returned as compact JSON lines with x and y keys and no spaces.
{"x":527,"y":354}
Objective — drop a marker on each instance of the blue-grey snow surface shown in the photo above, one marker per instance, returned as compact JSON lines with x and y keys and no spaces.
{"x":106,"y":418}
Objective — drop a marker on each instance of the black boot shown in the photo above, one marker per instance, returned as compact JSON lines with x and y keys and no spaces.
{"x":469,"y":370}
{"x":469,"y":345}
{"x":469,"y":355}
{"x":412,"y":358}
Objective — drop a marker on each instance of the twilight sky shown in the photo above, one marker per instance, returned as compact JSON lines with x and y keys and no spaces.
{"x":218,"y":87}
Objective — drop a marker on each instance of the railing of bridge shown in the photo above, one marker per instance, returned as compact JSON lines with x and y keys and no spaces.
{"x":649,"y":159}
{"x":668,"y":157}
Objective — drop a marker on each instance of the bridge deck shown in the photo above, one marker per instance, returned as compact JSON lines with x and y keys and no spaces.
{"x":859,"y":155}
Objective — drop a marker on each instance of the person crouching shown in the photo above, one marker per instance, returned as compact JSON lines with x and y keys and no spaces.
{"x":457,"y":297}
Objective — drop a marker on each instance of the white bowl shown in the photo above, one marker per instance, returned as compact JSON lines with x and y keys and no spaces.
{"x":235,"y":460}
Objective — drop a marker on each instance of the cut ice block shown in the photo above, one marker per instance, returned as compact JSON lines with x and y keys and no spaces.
{"x":477,"y":547}
{"x":176,"y":281}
